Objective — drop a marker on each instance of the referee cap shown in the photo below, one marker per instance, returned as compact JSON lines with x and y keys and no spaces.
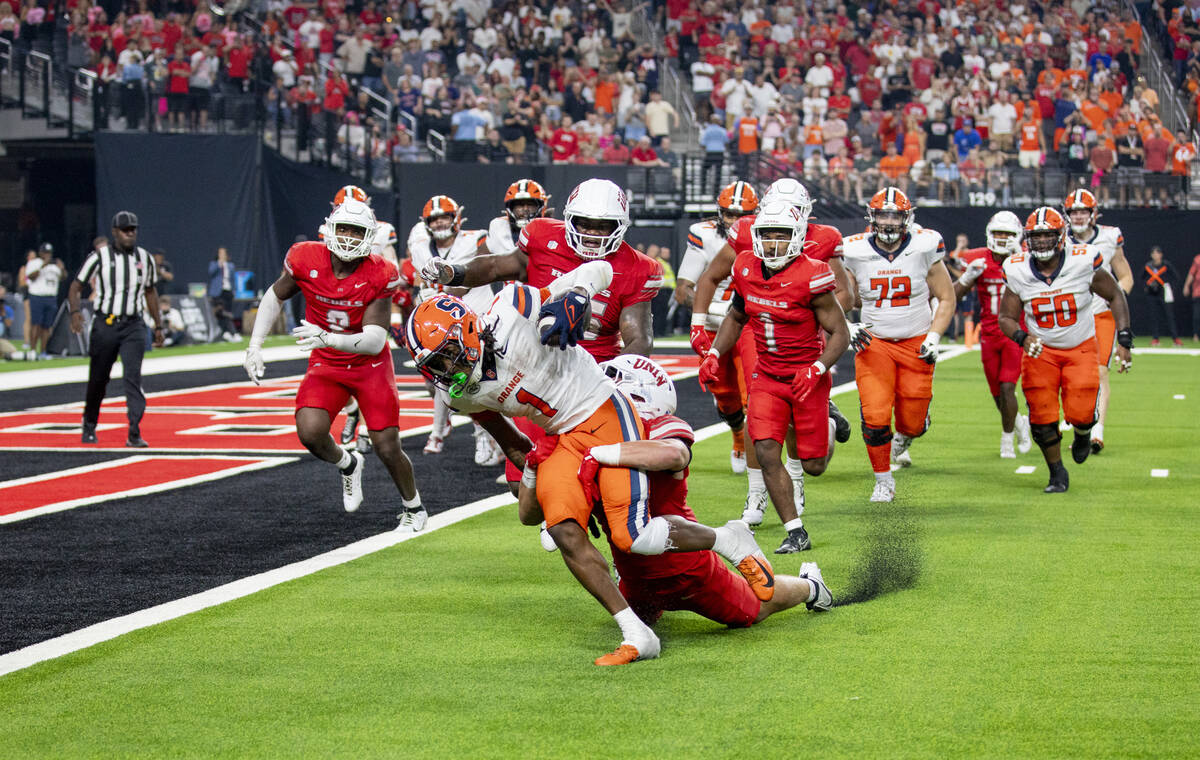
{"x":123,"y":219}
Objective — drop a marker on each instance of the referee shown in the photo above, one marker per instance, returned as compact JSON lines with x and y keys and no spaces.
{"x":123,"y":271}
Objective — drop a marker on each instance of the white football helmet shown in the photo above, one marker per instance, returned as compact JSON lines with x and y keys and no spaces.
{"x":601,"y":200}
{"x":356,"y":214}
{"x":645,"y":382}
{"x":791,"y":191}
{"x":1004,"y":221}
{"x":774,"y":215}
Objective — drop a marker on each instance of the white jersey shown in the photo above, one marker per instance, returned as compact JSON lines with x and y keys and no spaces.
{"x":383,"y":244}
{"x":461,"y":251}
{"x":704,"y":242}
{"x":500,"y":240}
{"x":1107,"y":239}
{"x":558,"y":390}
{"x":1053,"y":306}
{"x":894,"y":288}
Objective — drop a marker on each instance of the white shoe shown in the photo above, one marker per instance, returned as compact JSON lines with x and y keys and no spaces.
{"x":502,"y":478}
{"x":824,"y":598}
{"x":1024,"y":440}
{"x":1006,"y":448}
{"x":547,"y":539}
{"x":412,"y":522}
{"x":885,"y":491}
{"x":756,"y":507}
{"x":352,"y":494}
{"x":900,"y":455}
{"x":1065,"y":427}
{"x":495,"y":453}
{"x":737,"y":462}
{"x":483,"y":452}
{"x":435,"y":444}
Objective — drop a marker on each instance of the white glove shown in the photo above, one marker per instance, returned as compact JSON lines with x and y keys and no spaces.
{"x":972,"y":272}
{"x":308,"y":336}
{"x":859,"y":337}
{"x":929,"y":347}
{"x":1034,"y":349}
{"x":436,"y":272}
{"x":253,"y":362}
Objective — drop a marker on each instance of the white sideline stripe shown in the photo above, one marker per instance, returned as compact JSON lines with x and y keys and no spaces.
{"x":1164,"y":351}
{"x":1026,"y":469}
{"x":1160,"y":473}
{"x":1179,"y":397}
{"x":110,"y":629}
{"x":251,"y":465}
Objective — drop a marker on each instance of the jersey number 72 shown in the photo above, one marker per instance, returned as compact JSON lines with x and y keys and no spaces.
{"x":896,"y":289}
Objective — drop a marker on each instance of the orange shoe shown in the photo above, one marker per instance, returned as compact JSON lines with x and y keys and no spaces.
{"x":756,"y":569}
{"x":625,"y":654}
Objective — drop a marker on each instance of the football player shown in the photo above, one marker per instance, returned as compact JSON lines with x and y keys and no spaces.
{"x":1001,"y":358}
{"x":823,"y":243}
{"x":1052,"y":282}
{"x":895,"y":269}
{"x":499,"y":365}
{"x":347,"y":293}
{"x":1082,"y":212}
{"x":787,"y":298}
{"x":698,"y":582}
{"x":593,"y":227}
{"x":524,"y":201}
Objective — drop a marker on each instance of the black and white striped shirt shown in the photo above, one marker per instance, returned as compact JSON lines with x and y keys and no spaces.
{"x":121,"y":279}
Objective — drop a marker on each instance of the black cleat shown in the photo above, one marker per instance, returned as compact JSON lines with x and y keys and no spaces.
{"x":134,"y":441}
{"x":1097,"y":445}
{"x":1081,"y":447}
{"x":796,"y":541}
{"x":1059,"y":481}
{"x":841,"y":425}
{"x":89,"y":434}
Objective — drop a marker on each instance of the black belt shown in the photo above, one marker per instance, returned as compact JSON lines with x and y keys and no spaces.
{"x":110,"y":319}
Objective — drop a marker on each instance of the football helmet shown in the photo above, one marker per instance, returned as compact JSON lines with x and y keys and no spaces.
{"x":791,"y":191}
{"x":778,"y":214}
{"x":1045,"y":233}
{"x":1080,"y":201}
{"x":737,"y":199}
{"x":353,"y":192}
{"x":890,"y":215}
{"x":603,"y":205}
{"x":645,"y":382}
{"x":345,"y":245}
{"x":530,"y":196}
{"x":443,"y":336}
{"x":437,"y":207}
{"x":1004,"y":221}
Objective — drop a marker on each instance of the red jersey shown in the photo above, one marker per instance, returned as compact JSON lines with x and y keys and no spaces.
{"x":821,"y":242}
{"x":779,"y":304}
{"x":338,"y":305}
{"x":668,"y":496}
{"x":990,"y":287}
{"x":636,"y":279}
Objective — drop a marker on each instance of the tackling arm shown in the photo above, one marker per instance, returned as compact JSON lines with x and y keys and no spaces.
{"x":482,"y":270}
{"x":589,"y":278}
{"x":669,"y":454}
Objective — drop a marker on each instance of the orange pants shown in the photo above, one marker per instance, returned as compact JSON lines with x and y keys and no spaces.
{"x":625,"y":492}
{"x":1073,"y":372}
{"x":1106,"y":337}
{"x":729,"y":389}
{"x":891,"y":377}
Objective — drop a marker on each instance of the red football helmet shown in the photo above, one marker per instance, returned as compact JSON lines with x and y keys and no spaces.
{"x":525,"y":199}
{"x":1081,"y":211}
{"x":1045,"y":232}
{"x":443,"y":337}
{"x":437,"y":207}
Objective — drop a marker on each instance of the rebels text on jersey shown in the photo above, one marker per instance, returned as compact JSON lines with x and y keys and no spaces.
{"x":1054,"y":303}
{"x":636,"y":279}
{"x":338,"y":305}
{"x":894,"y":287}
{"x":1107,"y":239}
{"x":990,"y":287}
{"x":704,"y":242}
{"x":787,"y":334}
{"x":821,"y":242}
{"x":558,"y":390}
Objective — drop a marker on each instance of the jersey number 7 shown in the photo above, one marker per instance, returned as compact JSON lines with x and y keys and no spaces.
{"x":896,"y":289}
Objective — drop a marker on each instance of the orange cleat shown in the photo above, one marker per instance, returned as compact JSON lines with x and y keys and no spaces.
{"x":625,"y":654}
{"x":757,"y":571}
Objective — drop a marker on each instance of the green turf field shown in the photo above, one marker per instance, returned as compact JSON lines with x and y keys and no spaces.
{"x":196,"y":348}
{"x":1040,"y":626}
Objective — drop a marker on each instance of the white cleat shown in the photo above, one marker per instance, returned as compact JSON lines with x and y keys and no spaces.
{"x":885,"y":491}
{"x":502,"y":478}
{"x":737,"y":462}
{"x":824,"y":599}
{"x":900,"y":455}
{"x":1006,"y":449}
{"x":483,"y":452}
{"x":547,"y":539}
{"x":434,"y":445}
{"x":412,"y":521}
{"x":755,"y":509}
{"x":496,"y":454}
{"x":1024,"y":439}
{"x":352,"y":493}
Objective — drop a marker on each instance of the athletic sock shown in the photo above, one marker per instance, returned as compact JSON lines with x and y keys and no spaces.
{"x":346,"y":463}
{"x":725,"y":541}
{"x":1006,"y":437}
{"x":411,"y":505}
{"x":1098,"y":431}
{"x":795,"y":468}
{"x":792,"y":525}
{"x":632,"y":627}
{"x":884,"y":477}
{"x":755,"y":476}
{"x":881,"y":457}
{"x":812,"y":591}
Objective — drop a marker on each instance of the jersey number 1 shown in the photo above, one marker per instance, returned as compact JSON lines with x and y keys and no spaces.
{"x":897,"y":290}
{"x":525,"y":397}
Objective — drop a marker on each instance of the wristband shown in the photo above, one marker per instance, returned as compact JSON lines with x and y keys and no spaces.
{"x":529,"y":477}
{"x":609,"y":455}
{"x":714,"y":352}
{"x":820,"y":367}
{"x":699,"y":319}
{"x":1019,"y":337}
{"x":458,"y":275}
{"x":1125,"y":338}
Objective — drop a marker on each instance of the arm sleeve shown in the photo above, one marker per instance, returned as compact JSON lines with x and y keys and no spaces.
{"x":370,"y":341}
{"x":593,"y":277}
{"x":268,"y":311}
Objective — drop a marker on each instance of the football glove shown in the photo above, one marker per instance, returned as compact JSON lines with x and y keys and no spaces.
{"x":929,"y":348}
{"x":972,"y":272}
{"x":589,"y":468}
{"x":436,"y":272}
{"x":253,"y":363}
{"x":709,"y":371}
{"x":541,"y":451}
{"x":806,"y":380}
{"x":308,"y":336}
{"x":859,"y":337}
{"x":564,"y":320}
{"x":700,"y":340}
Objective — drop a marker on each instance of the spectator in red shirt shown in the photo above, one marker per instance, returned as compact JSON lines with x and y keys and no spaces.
{"x":564,"y":143}
{"x":179,"y":71}
{"x":1157,"y":150}
{"x":617,"y":153}
{"x":644,"y":155}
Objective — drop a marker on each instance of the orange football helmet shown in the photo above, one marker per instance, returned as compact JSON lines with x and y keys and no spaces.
{"x":525,"y":199}
{"x":1045,"y":232}
{"x":443,"y":336}
{"x":1081,"y":211}
{"x":353,"y":192}
{"x":890,"y":215}
{"x":439,"y":206}
{"x":737,"y":199}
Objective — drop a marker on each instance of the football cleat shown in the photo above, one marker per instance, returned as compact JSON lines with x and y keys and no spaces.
{"x":134,"y":441}
{"x":1059,"y":482}
{"x":89,"y":434}
{"x":796,"y":541}
{"x":755,"y":509}
{"x":547,"y":539}
{"x":362,"y":444}
{"x":737,"y":462}
{"x":1097,"y":445}
{"x":412,"y":520}
{"x":885,"y":491}
{"x":841,"y":424}
{"x":351,"y":425}
{"x":352,"y":494}
{"x":434,"y":445}
{"x":900,"y":455}
{"x":823,"y":601}
{"x":483,"y":451}
{"x":1007,"y":451}
{"x":1024,"y":439}
{"x":629,"y":652}
{"x":1081,"y":447}
{"x":751,"y":562}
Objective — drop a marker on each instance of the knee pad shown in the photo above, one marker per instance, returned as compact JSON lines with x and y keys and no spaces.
{"x":1045,"y":435}
{"x":734,"y":420}
{"x":653,"y":538}
{"x":876,"y":436}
